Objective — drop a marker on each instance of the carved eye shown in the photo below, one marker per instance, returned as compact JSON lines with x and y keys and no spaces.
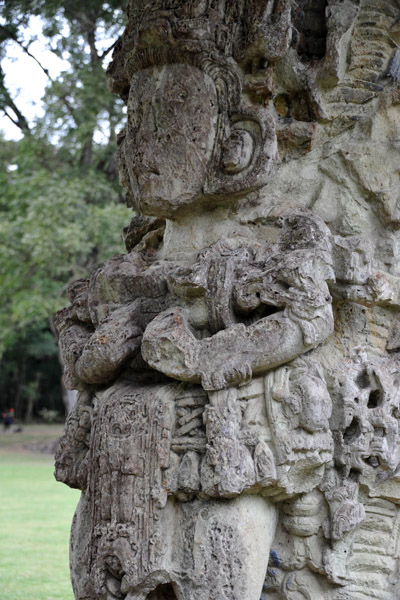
{"x":182,"y":96}
{"x":178,"y":93}
{"x":134,"y":115}
{"x":165,"y":138}
{"x":166,"y":118}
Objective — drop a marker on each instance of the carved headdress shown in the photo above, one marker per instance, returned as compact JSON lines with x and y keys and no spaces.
{"x":253,"y":33}
{"x":277,"y":65}
{"x":235,"y":43}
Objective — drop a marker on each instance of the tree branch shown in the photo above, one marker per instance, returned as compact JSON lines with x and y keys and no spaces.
{"x":10,"y":117}
{"x":13,"y":37}
{"x":108,"y":50}
{"x":20,"y":121}
{"x":87,"y":24}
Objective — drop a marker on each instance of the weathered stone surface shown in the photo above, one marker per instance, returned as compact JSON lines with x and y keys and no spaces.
{"x":236,"y":432}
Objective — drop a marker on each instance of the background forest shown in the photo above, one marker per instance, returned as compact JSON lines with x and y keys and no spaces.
{"x":61,"y":207}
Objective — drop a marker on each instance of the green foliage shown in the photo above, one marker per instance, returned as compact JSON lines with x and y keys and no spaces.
{"x":54,"y":227}
{"x":30,"y":373}
{"x":61,"y":209}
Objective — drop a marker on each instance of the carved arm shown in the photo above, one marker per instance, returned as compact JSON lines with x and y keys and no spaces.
{"x":97,"y":357}
{"x":292,"y":280}
{"x":232,"y":355}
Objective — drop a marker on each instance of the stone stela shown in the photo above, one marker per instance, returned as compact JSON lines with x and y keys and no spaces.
{"x":236,"y":431}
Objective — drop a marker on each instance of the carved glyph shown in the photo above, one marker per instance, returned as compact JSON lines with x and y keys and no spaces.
{"x":236,"y":431}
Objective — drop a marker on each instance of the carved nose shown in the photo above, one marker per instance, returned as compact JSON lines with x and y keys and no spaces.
{"x":143,"y":168}
{"x":143,"y":161}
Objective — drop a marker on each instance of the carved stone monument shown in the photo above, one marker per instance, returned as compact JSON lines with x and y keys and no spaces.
{"x":236,"y":432}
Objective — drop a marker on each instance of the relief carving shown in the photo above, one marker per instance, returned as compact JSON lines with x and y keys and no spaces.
{"x":236,"y":430}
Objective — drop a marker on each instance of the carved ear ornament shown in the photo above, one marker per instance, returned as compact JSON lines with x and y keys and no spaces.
{"x":247,"y":154}
{"x":237,"y":151}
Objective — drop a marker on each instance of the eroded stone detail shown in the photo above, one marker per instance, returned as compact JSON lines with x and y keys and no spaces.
{"x":236,"y":431}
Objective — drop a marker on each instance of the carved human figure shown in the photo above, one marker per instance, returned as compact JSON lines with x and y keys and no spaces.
{"x":214,"y":392}
{"x":208,"y":298}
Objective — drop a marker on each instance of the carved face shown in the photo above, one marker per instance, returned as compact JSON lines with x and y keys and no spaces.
{"x":172,"y":118}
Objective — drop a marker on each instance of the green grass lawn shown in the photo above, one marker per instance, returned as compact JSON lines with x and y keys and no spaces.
{"x":36,"y":513}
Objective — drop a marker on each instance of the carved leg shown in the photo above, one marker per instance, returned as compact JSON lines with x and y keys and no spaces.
{"x":79,"y":552}
{"x":220,"y":551}
{"x":224,"y":547}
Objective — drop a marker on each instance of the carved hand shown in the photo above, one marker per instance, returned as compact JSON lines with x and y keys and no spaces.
{"x":169,"y":346}
{"x":234,"y":373}
{"x":115,"y":341}
{"x":381,"y":289}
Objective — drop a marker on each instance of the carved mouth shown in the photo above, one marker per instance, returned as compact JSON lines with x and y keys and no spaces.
{"x":146,"y":177}
{"x":144,"y":168}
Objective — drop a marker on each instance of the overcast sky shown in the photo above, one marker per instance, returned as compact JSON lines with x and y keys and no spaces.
{"x":25,"y":79}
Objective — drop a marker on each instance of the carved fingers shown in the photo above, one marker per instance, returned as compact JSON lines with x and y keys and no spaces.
{"x":238,"y":372}
{"x":381,"y":289}
{"x":384,"y":288}
{"x":73,"y":336}
{"x":232,"y":373}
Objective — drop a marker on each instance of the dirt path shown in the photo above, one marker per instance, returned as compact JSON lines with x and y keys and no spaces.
{"x":32,"y":438}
